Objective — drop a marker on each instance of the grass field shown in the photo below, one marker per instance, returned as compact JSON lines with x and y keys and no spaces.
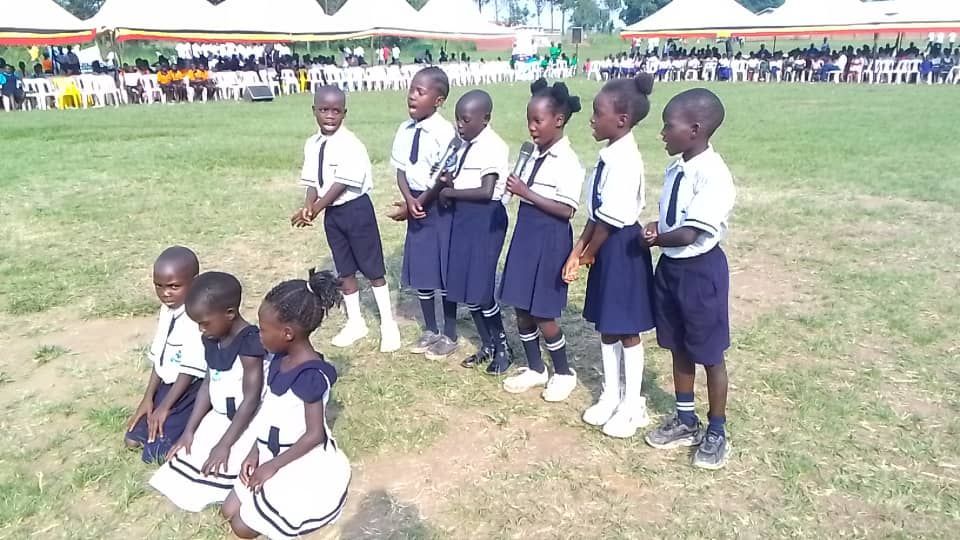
{"x":844,"y":369}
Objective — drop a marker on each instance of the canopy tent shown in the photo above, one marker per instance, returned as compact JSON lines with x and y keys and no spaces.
{"x":40,"y":22}
{"x":919,"y":15}
{"x":278,"y":20}
{"x":693,"y":19}
{"x":846,"y":17}
{"x":384,"y":18}
{"x":150,"y":20}
{"x":463,"y":21}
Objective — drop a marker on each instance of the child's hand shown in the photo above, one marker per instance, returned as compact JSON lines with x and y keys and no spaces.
{"x":263,"y":473}
{"x":588,"y":260}
{"x":517,"y":186}
{"x":415,"y":209}
{"x":249,"y":465}
{"x":571,"y":268}
{"x":144,"y":409}
{"x":155,"y":422}
{"x":398,"y":211}
{"x":217,"y":462}
{"x":302,"y":218}
{"x":185,"y":442}
{"x":650,"y":233}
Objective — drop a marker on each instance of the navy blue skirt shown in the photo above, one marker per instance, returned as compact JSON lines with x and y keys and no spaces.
{"x":427,"y":248}
{"x":479,"y":229}
{"x":172,"y":429}
{"x":620,"y":285}
{"x":532,"y":277}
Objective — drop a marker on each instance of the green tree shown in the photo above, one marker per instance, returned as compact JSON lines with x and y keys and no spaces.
{"x":517,"y":14}
{"x":539,"y":5}
{"x":81,"y":8}
{"x":587,"y":14}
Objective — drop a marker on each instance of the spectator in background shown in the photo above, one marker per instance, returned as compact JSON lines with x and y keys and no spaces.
{"x":396,"y":53}
{"x":47,"y":64}
{"x":11,"y":88}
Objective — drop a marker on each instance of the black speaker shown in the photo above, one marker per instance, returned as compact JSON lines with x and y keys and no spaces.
{"x":576,"y":35}
{"x":257,"y":93}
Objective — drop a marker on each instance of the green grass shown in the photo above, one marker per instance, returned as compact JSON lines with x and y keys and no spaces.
{"x":844,"y":400}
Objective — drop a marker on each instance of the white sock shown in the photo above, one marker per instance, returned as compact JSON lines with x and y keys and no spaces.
{"x":382,"y":295}
{"x":352,"y":303}
{"x":633,"y":372}
{"x":611,"y":369}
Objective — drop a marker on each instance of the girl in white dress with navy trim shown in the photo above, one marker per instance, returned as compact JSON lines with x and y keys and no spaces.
{"x":203,"y":464}
{"x":294,"y":480}
{"x":532,"y":277}
{"x":620,"y":283}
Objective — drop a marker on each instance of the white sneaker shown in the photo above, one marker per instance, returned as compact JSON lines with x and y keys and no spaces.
{"x":601,"y":411}
{"x":628,"y":419}
{"x":389,"y":337}
{"x":560,"y":386}
{"x":350,"y":334}
{"x":524,"y":380}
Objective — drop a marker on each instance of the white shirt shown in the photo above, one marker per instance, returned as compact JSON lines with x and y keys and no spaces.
{"x":704,"y":201}
{"x":620,"y":186}
{"x":485,"y":154}
{"x":560,"y":175}
{"x":177,"y":347}
{"x":396,"y":52}
{"x":345,"y":161}
{"x":435,"y":135}
{"x":358,"y":52}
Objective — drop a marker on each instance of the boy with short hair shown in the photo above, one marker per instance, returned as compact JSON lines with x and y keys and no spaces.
{"x":692,"y":280}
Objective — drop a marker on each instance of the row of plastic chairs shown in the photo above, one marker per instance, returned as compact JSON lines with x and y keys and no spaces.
{"x":81,"y":91}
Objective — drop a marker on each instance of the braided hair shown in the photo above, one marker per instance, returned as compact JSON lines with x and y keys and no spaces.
{"x":561,"y":102}
{"x":306,"y":302}
{"x":631,"y":96}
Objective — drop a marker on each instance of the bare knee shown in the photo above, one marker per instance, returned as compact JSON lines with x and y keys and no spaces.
{"x":240,"y":529}
{"x":230,"y":507}
{"x":131,"y":444}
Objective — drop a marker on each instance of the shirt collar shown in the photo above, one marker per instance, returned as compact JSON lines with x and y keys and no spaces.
{"x":338,"y":133}
{"x":555,"y":150}
{"x":176,"y":313}
{"x":482,"y":136}
{"x":679,"y":163}
{"x":428,"y":123}
{"x":619,"y":147}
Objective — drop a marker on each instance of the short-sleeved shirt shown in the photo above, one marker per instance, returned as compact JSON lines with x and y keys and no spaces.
{"x":559,"y":176}
{"x":435,"y":135}
{"x":199,"y":75}
{"x":178,"y":75}
{"x":164,"y":78}
{"x":615,"y":189}
{"x":703,"y":195}
{"x":485,"y":154}
{"x":344,"y":161}
{"x":177,"y":346}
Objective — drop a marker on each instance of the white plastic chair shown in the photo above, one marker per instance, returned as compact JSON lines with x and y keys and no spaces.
{"x":151,"y":89}
{"x":289,"y":81}
{"x":106,"y":90}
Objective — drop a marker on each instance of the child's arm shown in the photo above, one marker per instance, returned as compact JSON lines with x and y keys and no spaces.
{"x":313,"y":437}
{"x":319,"y":205}
{"x":483,"y":193}
{"x":200,"y":409}
{"x":158,"y":417}
{"x":145,"y":408}
{"x":556,"y":209}
{"x":252,"y":386}
{"x":573,"y":261}
{"x":301,"y":218}
{"x":413,"y":205}
{"x":601,"y":231}
{"x":684,"y":236}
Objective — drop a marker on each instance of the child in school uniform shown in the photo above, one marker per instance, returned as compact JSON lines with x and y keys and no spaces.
{"x":479,"y":226}
{"x":338,"y":178}
{"x":549,"y":191}
{"x":294,"y":480}
{"x":417,"y":151}
{"x":201,"y":466}
{"x":177,"y":357}
{"x":692,"y":281}
{"x":620,"y":283}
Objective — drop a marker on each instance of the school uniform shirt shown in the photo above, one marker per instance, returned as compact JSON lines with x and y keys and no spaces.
{"x":485,"y":154}
{"x":559,"y":174}
{"x":615,"y":189}
{"x":698,"y":193}
{"x":418,"y":148}
{"x":177,"y":346}
{"x":164,"y":78}
{"x":339,"y":158}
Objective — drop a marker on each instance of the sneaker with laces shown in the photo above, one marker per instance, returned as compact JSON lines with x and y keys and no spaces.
{"x":712,"y":453}
{"x":674,"y":434}
{"x":525,"y":379}
{"x":389,"y":337}
{"x":426,"y":340}
{"x":559,"y":387}
{"x":441,"y":349}
{"x":351,"y":333}
{"x":630,"y":416}
{"x":601,"y":411}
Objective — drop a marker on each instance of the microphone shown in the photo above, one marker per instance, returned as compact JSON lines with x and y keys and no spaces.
{"x":447,"y":161}
{"x":526,"y":152}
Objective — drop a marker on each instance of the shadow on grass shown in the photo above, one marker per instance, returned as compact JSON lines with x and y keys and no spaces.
{"x":381,"y":516}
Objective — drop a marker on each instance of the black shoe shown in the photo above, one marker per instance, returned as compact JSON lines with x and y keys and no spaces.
{"x":712,"y":452}
{"x":484,"y":355}
{"x":674,"y":433}
{"x":500,"y":363}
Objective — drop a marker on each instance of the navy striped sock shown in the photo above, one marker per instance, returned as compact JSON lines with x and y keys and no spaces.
{"x":429,"y":310}
{"x":531,"y":346}
{"x":715,"y":425}
{"x":482,"y":331}
{"x":494,"y":322}
{"x":685,"y":409}
{"x":449,"y":318}
{"x":558,"y":354}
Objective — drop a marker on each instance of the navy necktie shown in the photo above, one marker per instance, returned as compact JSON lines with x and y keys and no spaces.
{"x":463,"y":159}
{"x":173,"y":322}
{"x":595,"y":199}
{"x":536,"y":169}
{"x":415,"y":148}
{"x":323,"y":147}
{"x":672,"y":206}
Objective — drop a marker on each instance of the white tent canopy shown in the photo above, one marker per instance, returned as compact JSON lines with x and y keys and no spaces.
{"x":803,"y":13}
{"x":462,"y":18}
{"x":38,"y":15}
{"x":390,"y":17}
{"x":276,"y":17}
{"x":149,"y":15}
{"x":693,"y":18}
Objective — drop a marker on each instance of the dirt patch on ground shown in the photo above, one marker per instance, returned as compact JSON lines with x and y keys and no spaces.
{"x":760,"y":283}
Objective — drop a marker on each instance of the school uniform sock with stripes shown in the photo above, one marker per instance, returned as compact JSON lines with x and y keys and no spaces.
{"x":535,"y":374}
{"x":447,"y":343}
{"x":431,"y":332}
{"x":493,"y":339}
{"x":564,"y":379}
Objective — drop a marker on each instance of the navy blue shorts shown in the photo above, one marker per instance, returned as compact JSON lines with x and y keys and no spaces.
{"x":426,"y":248}
{"x":620,"y":285}
{"x":354,"y":238}
{"x":172,"y":428}
{"x":533,"y":274}
{"x":479,"y":229}
{"x":691,"y":302}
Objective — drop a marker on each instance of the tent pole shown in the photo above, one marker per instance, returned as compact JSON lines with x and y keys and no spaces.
{"x":876,"y":37}
{"x":774,"y":45}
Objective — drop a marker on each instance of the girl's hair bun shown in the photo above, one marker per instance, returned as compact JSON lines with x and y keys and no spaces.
{"x":644,"y":83}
